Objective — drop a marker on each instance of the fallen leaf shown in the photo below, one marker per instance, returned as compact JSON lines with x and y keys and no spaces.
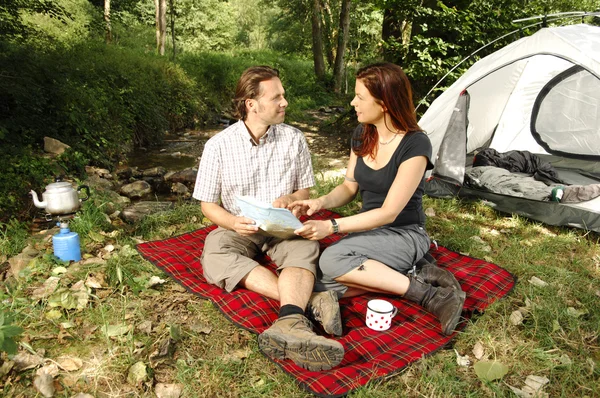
{"x":200,"y":327}
{"x":537,"y":282}
{"x":237,"y":355}
{"x":115,"y":330}
{"x":93,"y":261}
{"x":462,"y":360}
{"x":598,"y":293}
{"x":555,"y":326}
{"x":536,"y":382}
{"x":62,"y":336}
{"x":93,"y":282}
{"x":564,"y":359}
{"x":483,"y":246}
{"x":53,"y":315}
{"x":478,"y":350}
{"x":575,"y":313}
{"x":69,"y":363}
{"x":128,"y":251}
{"x":95,"y":236}
{"x":59,"y":270}
{"x":166,"y":347}
{"x":145,"y":327}
{"x":24,"y":361}
{"x":490,"y":370}
{"x":47,"y":288}
{"x":518,"y":392}
{"x":168,"y":390}
{"x":6,"y":367}
{"x":516,"y":318}
{"x":137,"y":373}
{"x":430,"y":212}
{"x":109,"y":248}
{"x":259,"y":382}
{"x":44,"y":383}
{"x":51,"y":369}
{"x":67,"y":325}
{"x":112,"y":234}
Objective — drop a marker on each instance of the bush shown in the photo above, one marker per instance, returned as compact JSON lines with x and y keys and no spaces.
{"x":101,"y":100}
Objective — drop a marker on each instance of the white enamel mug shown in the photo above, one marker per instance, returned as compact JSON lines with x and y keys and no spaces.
{"x":380,"y":314}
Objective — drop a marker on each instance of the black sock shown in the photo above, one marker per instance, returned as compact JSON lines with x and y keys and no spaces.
{"x":290,"y":309}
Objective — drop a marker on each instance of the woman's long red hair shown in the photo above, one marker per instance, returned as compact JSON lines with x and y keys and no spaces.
{"x":390,"y":87}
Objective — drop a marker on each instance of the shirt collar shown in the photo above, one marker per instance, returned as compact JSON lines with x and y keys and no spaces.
{"x":245,"y":134}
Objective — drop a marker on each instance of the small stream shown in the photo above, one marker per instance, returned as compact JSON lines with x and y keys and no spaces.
{"x":177,"y":152}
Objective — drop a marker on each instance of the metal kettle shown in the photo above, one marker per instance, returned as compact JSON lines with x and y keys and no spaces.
{"x":60,"y":198}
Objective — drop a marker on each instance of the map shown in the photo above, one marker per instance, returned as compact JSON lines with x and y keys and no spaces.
{"x":272,"y":221}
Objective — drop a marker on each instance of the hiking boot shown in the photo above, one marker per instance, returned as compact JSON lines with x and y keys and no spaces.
{"x":438,"y":276}
{"x":292,"y":337}
{"x":323,"y":307}
{"x":445,"y":303}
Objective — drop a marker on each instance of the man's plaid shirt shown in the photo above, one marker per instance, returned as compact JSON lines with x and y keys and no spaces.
{"x":232,"y":164}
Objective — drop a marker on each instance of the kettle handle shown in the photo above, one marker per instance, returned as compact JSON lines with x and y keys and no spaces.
{"x":87,"y":189}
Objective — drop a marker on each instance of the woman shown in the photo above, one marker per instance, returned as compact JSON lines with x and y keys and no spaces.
{"x":389,"y":157}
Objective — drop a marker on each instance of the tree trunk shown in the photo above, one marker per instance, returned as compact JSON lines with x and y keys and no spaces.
{"x":317,"y":41}
{"x":172,"y":7}
{"x":108,"y":35}
{"x":161,"y":25}
{"x":338,"y":69}
{"x":328,"y":33}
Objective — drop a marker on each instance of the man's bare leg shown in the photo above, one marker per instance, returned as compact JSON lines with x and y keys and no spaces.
{"x":292,"y":336}
{"x":295,"y":286}
{"x":263,"y":281}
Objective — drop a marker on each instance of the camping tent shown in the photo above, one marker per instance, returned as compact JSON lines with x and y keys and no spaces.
{"x":539,"y":94}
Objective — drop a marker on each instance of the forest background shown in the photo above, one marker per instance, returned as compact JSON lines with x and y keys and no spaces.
{"x":105,"y":77}
{"x":109,"y":77}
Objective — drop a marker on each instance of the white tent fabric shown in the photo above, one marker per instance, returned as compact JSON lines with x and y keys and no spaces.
{"x":548,"y":82}
{"x":504,"y":85}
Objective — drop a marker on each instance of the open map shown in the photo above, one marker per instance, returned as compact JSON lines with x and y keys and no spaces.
{"x":280,"y":223}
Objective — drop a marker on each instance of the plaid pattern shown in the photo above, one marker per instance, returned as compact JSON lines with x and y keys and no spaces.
{"x":369,"y":354}
{"x":232,"y":165}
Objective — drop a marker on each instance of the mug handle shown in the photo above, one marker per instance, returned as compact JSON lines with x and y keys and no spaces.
{"x":394,"y":312}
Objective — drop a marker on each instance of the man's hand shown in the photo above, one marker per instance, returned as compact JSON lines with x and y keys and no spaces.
{"x":244,"y":226}
{"x":282,"y":202}
{"x":308,"y":207}
{"x":315,"y":229}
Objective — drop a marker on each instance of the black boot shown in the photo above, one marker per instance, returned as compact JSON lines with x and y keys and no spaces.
{"x":443,"y":302}
{"x":437,"y":276}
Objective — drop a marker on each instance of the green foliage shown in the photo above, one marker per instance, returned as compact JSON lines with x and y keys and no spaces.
{"x":23,"y":170}
{"x":12,"y":25}
{"x":219,"y":73}
{"x":8,"y":332}
{"x":13,"y":237}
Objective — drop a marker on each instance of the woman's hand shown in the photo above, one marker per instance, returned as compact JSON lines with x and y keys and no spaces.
{"x":308,"y":207}
{"x":315,"y":229}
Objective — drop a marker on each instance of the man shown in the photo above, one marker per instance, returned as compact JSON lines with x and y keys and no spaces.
{"x":261,"y":157}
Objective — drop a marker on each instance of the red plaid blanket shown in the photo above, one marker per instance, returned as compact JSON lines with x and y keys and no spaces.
{"x":369,"y":354}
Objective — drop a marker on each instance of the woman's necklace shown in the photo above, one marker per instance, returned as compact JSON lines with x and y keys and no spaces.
{"x":387,"y":142}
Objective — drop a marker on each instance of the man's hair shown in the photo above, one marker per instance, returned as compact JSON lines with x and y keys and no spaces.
{"x":248,"y":87}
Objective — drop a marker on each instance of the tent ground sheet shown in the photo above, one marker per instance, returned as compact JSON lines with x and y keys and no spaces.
{"x":369,"y":355}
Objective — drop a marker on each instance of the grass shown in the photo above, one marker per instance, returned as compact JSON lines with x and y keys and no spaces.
{"x":208,"y":356}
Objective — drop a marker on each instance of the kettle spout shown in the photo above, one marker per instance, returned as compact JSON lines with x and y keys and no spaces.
{"x":36,"y":201}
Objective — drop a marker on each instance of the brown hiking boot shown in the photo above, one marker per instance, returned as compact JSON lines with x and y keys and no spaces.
{"x":438,"y":276}
{"x":445,"y":303}
{"x":292,"y":337}
{"x":323,"y":307}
